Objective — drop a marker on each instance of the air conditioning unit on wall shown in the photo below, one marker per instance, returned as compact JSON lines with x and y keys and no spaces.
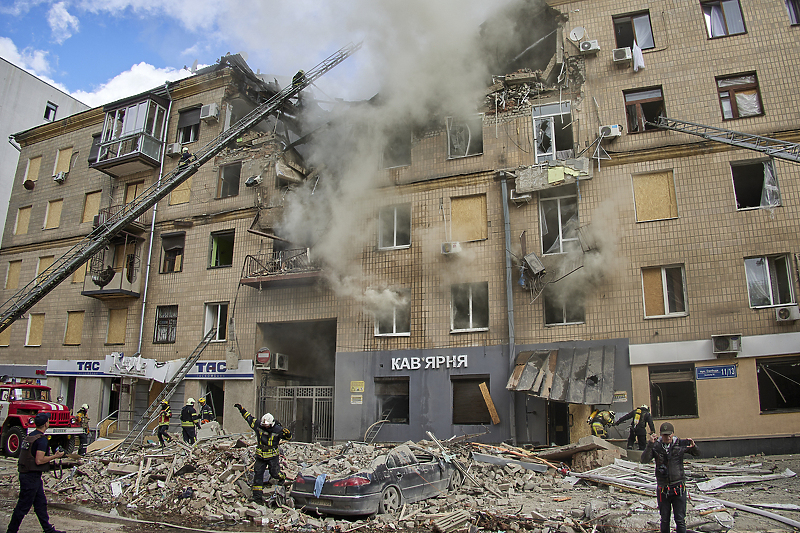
{"x":787,"y":313}
{"x":280,"y":362}
{"x":209,"y":112}
{"x":61,"y":177}
{"x":589,"y":47}
{"x":610,"y":131}
{"x":622,"y":55}
{"x":174,"y":149}
{"x":451,"y":248}
{"x":726,"y":344}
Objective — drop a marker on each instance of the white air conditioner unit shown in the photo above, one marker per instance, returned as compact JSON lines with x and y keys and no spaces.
{"x":519,"y":198}
{"x":787,"y":313}
{"x":451,"y":248}
{"x":280,"y":362}
{"x":726,"y":344}
{"x":174,"y":149}
{"x":534,"y":264}
{"x":589,"y":47}
{"x":209,"y":112}
{"x":61,"y":177}
{"x":610,"y":131}
{"x":622,"y":55}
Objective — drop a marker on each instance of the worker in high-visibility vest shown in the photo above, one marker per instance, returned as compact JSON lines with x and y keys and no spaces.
{"x":190,"y":422}
{"x":638,"y":432}
{"x":599,"y":420}
{"x":83,"y":417}
{"x":163,"y":422}
{"x":269,"y":433}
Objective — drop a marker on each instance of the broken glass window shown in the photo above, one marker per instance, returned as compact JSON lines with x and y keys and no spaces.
{"x":552,"y":129}
{"x":739,"y":96}
{"x":464,"y":137}
{"x":558,"y":214}
{"x":563,"y":304}
{"x":642,"y":108}
{"x":769,"y":280}
{"x":673,"y":392}
{"x":228,"y":183}
{"x":398,"y":149}
{"x":778,"y":381}
{"x":392,"y":396}
{"x":755,"y":185}
{"x":545,"y":149}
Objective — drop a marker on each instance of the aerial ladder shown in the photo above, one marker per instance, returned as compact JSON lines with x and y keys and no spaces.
{"x":63,"y":267}
{"x":767,"y":145}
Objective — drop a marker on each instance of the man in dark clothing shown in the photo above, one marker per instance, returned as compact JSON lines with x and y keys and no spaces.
{"x":668,"y":452}
{"x":638,"y":432}
{"x":83,"y":418}
{"x":33,"y":461}
{"x":189,"y":422}
{"x":269,"y":433}
{"x":163,"y":423}
{"x":206,"y":412}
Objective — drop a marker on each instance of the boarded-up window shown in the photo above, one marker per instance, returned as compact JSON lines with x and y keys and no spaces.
{"x":117,"y":322}
{"x":654,"y":196}
{"x":91,"y":206}
{"x":79,"y":275}
{"x":132,"y":190}
{"x":52,"y":218}
{"x":72,"y":335}
{"x":32,"y":172}
{"x":469,"y":406}
{"x":468,"y":218}
{"x":63,"y":160}
{"x":181,"y":193}
{"x":35,"y":329}
{"x":664,"y":293}
{"x":44,"y":263}
{"x":23,"y":219}
{"x":5,"y":337}
{"x":12,"y":276}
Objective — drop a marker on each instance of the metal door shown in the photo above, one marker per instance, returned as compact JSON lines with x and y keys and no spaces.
{"x":306,"y":411}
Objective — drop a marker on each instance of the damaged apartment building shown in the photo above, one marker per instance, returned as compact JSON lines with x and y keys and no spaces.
{"x":611,"y":227}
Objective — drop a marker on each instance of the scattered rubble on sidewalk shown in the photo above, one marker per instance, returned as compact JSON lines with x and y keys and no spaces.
{"x":507,"y":489}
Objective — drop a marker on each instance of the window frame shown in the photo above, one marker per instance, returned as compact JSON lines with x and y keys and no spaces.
{"x":166,"y":325}
{"x":732,"y":90}
{"x":28,"y":209}
{"x":225,"y":184}
{"x":471,"y":297}
{"x":772,"y":280}
{"x":70,"y":316}
{"x":708,"y":24}
{"x":396,"y":221}
{"x":793,"y":7}
{"x":563,"y":307}
{"x":397,"y":315}
{"x":166,"y":256}
{"x":190,"y":132}
{"x":680,"y":373}
{"x":558,"y":197}
{"x":50,"y":110}
{"x":552,"y":113}
{"x":214,"y":248}
{"x":640,"y":198}
{"x":378,"y":382}
{"x":31,"y":322}
{"x":212,"y":313}
{"x":666,"y":301}
{"x":640,"y":117}
{"x":628,"y":18}
{"x":772,"y":380}
{"x":469,"y":122}
{"x":768,"y":174}
{"x":33,"y":176}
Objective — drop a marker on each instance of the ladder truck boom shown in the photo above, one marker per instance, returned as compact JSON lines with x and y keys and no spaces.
{"x":67,"y":264}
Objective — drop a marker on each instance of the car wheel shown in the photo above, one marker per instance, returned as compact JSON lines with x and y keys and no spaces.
{"x":456,"y":479}
{"x":390,"y":500}
{"x":13,"y":440}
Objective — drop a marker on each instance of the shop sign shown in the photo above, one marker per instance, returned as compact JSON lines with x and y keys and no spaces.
{"x":620,"y":396}
{"x":60,"y":367}
{"x":431,"y":362}
{"x":716,"y":372}
{"x":356,"y":386}
{"x":220,"y":370}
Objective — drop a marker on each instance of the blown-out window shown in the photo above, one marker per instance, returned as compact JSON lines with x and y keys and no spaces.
{"x":392,"y":396}
{"x":398,"y":148}
{"x":778,"y":380}
{"x":642,"y":108}
{"x":673,"y":392}
{"x":229,"y":176}
{"x":221,"y":249}
{"x":552,"y":129}
{"x":755,"y":185}
{"x":172,"y":245}
{"x":563,"y":304}
{"x":217,"y":317}
{"x":634,"y":28}
{"x":558,"y":216}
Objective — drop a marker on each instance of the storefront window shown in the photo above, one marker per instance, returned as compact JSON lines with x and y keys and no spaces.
{"x":469,"y":406}
{"x":392,"y":396}
{"x":672,"y":391}
{"x":778,"y":381}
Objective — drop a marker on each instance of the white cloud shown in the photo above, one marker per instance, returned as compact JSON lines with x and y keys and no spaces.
{"x":140,"y":78}
{"x":192,"y":14}
{"x":61,"y":22}
{"x":33,"y":61}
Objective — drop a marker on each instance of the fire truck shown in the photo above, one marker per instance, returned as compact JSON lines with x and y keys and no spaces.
{"x":20,"y":403}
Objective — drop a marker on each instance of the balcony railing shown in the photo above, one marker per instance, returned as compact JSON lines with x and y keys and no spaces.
{"x":106,"y":213}
{"x":285,"y":266}
{"x":105,"y":281}
{"x":134,"y":153}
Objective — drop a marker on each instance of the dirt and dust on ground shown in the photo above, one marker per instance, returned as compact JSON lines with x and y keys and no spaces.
{"x":590,"y":487}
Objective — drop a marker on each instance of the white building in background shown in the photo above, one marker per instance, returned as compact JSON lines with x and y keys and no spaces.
{"x":25,"y":102}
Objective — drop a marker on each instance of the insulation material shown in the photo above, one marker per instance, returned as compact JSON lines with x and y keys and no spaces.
{"x":468,"y":218}
{"x":555,"y":175}
{"x":653,"y":292}
{"x":654,"y":196}
{"x":538,"y":177}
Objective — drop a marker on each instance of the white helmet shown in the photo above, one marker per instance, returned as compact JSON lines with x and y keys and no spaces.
{"x":267,"y":420}
{"x":190,"y":401}
{"x":85,"y":406}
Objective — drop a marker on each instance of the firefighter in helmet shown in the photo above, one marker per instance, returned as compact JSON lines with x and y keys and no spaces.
{"x":640,"y":418}
{"x":206,"y":412}
{"x":163,"y":422}
{"x":269,"y":433}
{"x":599,"y":420}
{"x":190,"y":422}
{"x":83,"y":418}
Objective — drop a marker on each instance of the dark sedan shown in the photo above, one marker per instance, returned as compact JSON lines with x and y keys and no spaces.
{"x":406,"y":474}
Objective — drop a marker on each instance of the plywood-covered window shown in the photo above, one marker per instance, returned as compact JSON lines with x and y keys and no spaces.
{"x":182,"y":193}
{"x":74,"y":330}
{"x":469,"y":405}
{"x":52,"y":218}
{"x":63,"y":160}
{"x":5,"y":336}
{"x":91,"y":206}
{"x":23,"y":220}
{"x":79,"y":275}
{"x":468,"y":218}
{"x":44,"y":263}
{"x":392,"y":397}
{"x":32,"y":171}
{"x":654,"y":196}
{"x":664,"y":291}
{"x":117,"y":324}
{"x":12,"y":275}
{"x":133,"y":190}
{"x":35,"y":329}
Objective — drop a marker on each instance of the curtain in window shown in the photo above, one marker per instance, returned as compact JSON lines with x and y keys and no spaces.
{"x":748,"y":103}
{"x":733,"y":16}
{"x":644,"y":35}
{"x":770,"y":195}
{"x":757,"y":281}
{"x":715,"y":21}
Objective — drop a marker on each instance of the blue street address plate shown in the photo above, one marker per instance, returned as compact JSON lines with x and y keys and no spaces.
{"x":715,"y":372}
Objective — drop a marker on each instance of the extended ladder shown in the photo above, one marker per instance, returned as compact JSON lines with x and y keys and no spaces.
{"x":767,"y":145}
{"x":64,"y":266}
{"x":165,"y":394}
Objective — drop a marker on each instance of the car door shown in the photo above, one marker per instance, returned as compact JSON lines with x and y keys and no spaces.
{"x":405,"y":471}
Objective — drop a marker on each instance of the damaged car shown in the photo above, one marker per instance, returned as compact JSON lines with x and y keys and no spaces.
{"x":406,"y":474}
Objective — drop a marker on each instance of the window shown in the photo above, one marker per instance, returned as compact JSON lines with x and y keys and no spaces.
{"x":217,"y":317}
{"x":672,"y":391}
{"x":126,"y":260}
{"x":739,"y":96}
{"x":35,"y":329}
{"x":182,"y":193}
{"x":634,"y":28}
{"x":394,"y":227}
{"x":794,"y":11}
{"x":188,"y":125}
{"x":723,"y":17}
{"x":74,"y":330}
{"x":398,"y":148}
{"x":469,"y":307}
{"x":50,"y":111}
{"x":23,"y":219}
{"x":32,"y":170}
{"x":468,"y":220}
{"x":654,"y":196}
{"x":44,"y":263}
{"x":166,"y":324}
{"x":563,"y":304}
{"x":777,"y":384}
{"x":464,"y":137}
{"x":664,"y":291}
{"x":12,"y":275}
{"x":469,"y":406}
{"x":52,"y":217}
{"x":63,"y":161}
{"x":91,"y":206}
{"x":117,"y":324}
{"x":5,"y":337}
{"x":228,"y":183}
{"x":392,"y":396}
{"x":133,"y":191}
{"x":394,"y":317}
{"x":755,"y":185}
{"x":79,"y":275}
{"x":221,"y":249}
{"x":643,"y":107}
{"x":558,"y":216}
{"x":769,"y":280}
{"x":552,"y":129}
{"x":172,"y":245}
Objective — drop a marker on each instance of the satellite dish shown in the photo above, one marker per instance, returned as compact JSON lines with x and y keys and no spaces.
{"x":577,"y":34}
{"x":29,"y":184}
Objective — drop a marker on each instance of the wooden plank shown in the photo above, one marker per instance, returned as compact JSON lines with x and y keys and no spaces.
{"x":519,"y":367}
{"x":121,"y":469}
{"x":548,"y":376}
{"x":139,"y":476}
{"x":607,"y":390}
{"x":576,"y":384}
{"x":171,"y":469}
{"x":594,"y":376}
{"x":562,"y":374}
{"x":489,"y":403}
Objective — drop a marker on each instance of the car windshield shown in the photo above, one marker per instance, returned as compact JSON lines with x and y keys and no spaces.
{"x":31,"y":394}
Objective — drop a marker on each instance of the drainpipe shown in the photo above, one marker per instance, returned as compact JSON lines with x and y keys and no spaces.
{"x":153,"y":223}
{"x":509,"y":302}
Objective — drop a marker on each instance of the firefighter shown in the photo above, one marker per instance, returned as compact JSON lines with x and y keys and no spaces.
{"x":189,"y":422}
{"x":163,"y":423}
{"x":638,"y":433}
{"x":269,"y":433}
{"x":299,"y":78}
{"x":186,"y":157}
{"x":206,"y":412}
{"x":83,"y":418}
{"x":599,"y":420}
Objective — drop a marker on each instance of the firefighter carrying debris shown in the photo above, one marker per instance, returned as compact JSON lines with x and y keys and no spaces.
{"x":599,"y":420}
{"x":269,"y":433}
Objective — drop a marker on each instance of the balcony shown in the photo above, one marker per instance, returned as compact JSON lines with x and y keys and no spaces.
{"x":114,"y":272}
{"x":128,"y":155}
{"x":137,"y":226}
{"x":284,"y":267}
